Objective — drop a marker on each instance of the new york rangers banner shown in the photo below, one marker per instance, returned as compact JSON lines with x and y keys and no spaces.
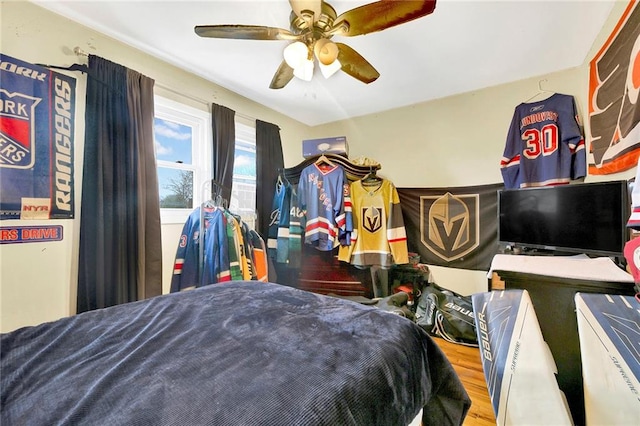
{"x":454,"y":227}
{"x":37,"y":110}
{"x":614,"y":110}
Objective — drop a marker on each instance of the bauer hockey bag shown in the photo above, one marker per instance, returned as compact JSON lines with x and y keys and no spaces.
{"x":444,"y":313}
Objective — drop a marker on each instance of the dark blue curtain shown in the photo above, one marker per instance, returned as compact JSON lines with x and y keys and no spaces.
{"x":224,"y":147}
{"x":120,"y":257}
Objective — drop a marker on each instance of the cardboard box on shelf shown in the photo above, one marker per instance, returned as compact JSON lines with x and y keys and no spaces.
{"x":333,"y":145}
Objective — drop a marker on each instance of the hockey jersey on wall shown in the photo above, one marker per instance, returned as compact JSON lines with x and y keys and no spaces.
{"x":323,"y":194}
{"x":545,"y":145}
{"x":379,"y":237}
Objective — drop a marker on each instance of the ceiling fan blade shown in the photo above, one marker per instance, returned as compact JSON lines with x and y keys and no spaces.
{"x":314,"y":6}
{"x":380,"y":15}
{"x":282,"y":76}
{"x":355,"y":65}
{"x":244,"y":32}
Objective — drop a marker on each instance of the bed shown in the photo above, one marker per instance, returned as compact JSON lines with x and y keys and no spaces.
{"x":240,"y":353}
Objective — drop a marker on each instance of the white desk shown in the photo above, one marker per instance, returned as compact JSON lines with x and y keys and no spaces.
{"x":579,"y":267}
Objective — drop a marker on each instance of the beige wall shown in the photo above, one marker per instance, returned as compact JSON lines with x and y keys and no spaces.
{"x":459,"y":140}
{"x":456,"y":141}
{"x":37,"y":280}
{"x":449,"y":142}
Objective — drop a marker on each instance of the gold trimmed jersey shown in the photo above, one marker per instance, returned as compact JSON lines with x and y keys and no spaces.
{"x":379,"y":237}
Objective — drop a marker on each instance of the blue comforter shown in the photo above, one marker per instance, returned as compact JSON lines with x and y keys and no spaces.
{"x":241,"y":353}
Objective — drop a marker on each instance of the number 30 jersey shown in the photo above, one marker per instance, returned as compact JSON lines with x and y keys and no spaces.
{"x":544,"y":145}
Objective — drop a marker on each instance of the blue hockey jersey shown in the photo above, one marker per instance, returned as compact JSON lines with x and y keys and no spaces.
{"x":282,"y":243}
{"x":323,"y":193}
{"x":290,"y":229}
{"x":544,"y":144}
{"x":193,"y":269}
{"x":274,"y":218}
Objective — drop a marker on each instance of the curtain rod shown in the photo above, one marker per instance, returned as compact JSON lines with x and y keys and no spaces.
{"x":80,"y":52}
{"x":200,"y":100}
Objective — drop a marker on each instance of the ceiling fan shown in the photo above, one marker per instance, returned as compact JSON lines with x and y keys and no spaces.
{"x":313,"y":24}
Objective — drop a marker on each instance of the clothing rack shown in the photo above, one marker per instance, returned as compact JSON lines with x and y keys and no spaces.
{"x":354,"y":171}
{"x":216,"y":194}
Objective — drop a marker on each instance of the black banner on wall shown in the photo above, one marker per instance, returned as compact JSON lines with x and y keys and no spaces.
{"x":455,"y":227}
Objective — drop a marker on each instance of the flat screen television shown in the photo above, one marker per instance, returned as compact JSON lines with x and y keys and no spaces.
{"x":587,"y":218}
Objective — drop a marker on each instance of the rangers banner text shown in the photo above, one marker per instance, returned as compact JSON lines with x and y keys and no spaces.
{"x":30,"y":234}
{"x":37,"y":110}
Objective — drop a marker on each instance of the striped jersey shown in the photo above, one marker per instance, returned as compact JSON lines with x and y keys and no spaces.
{"x":323,"y":193}
{"x":544,"y":144}
{"x":379,"y":237}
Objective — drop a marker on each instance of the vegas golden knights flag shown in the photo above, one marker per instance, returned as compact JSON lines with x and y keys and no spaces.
{"x":454,"y":227}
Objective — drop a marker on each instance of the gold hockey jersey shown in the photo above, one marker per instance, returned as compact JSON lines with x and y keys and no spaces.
{"x":379,"y":237}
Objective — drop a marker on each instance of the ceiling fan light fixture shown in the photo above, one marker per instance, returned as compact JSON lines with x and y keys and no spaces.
{"x":304,"y":71}
{"x":326,"y":51}
{"x":295,"y":54}
{"x":329,"y":70}
{"x":313,"y":23}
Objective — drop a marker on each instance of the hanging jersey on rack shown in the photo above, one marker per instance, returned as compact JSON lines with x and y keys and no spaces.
{"x":216,"y":250}
{"x":282,"y":240}
{"x":544,"y":144}
{"x":245,"y":251}
{"x":379,"y":237}
{"x":323,"y":193}
{"x":189,"y":271}
{"x":290,"y":244}
{"x":259,"y":256}
{"x":279,"y":203}
{"x":233,"y":238}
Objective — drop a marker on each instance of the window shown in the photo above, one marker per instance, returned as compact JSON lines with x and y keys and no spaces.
{"x":183,"y":157}
{"x":184,"y":160}
{"x":243,"y":193}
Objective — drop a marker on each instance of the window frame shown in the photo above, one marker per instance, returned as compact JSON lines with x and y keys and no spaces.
{"x":246,"y":133}
{"x":201,"y":151}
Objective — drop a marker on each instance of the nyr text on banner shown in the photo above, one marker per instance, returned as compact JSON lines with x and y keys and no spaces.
{"x":37,"y":110}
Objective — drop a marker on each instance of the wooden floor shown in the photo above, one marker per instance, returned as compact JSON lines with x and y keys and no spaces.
{"x":466,"y":362}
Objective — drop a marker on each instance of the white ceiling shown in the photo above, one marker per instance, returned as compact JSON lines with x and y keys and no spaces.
{"x":462,"y":46}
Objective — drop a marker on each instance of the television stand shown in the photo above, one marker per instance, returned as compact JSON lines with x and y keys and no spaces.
{"x":552,"y":283}
{"x":530,"y":251}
